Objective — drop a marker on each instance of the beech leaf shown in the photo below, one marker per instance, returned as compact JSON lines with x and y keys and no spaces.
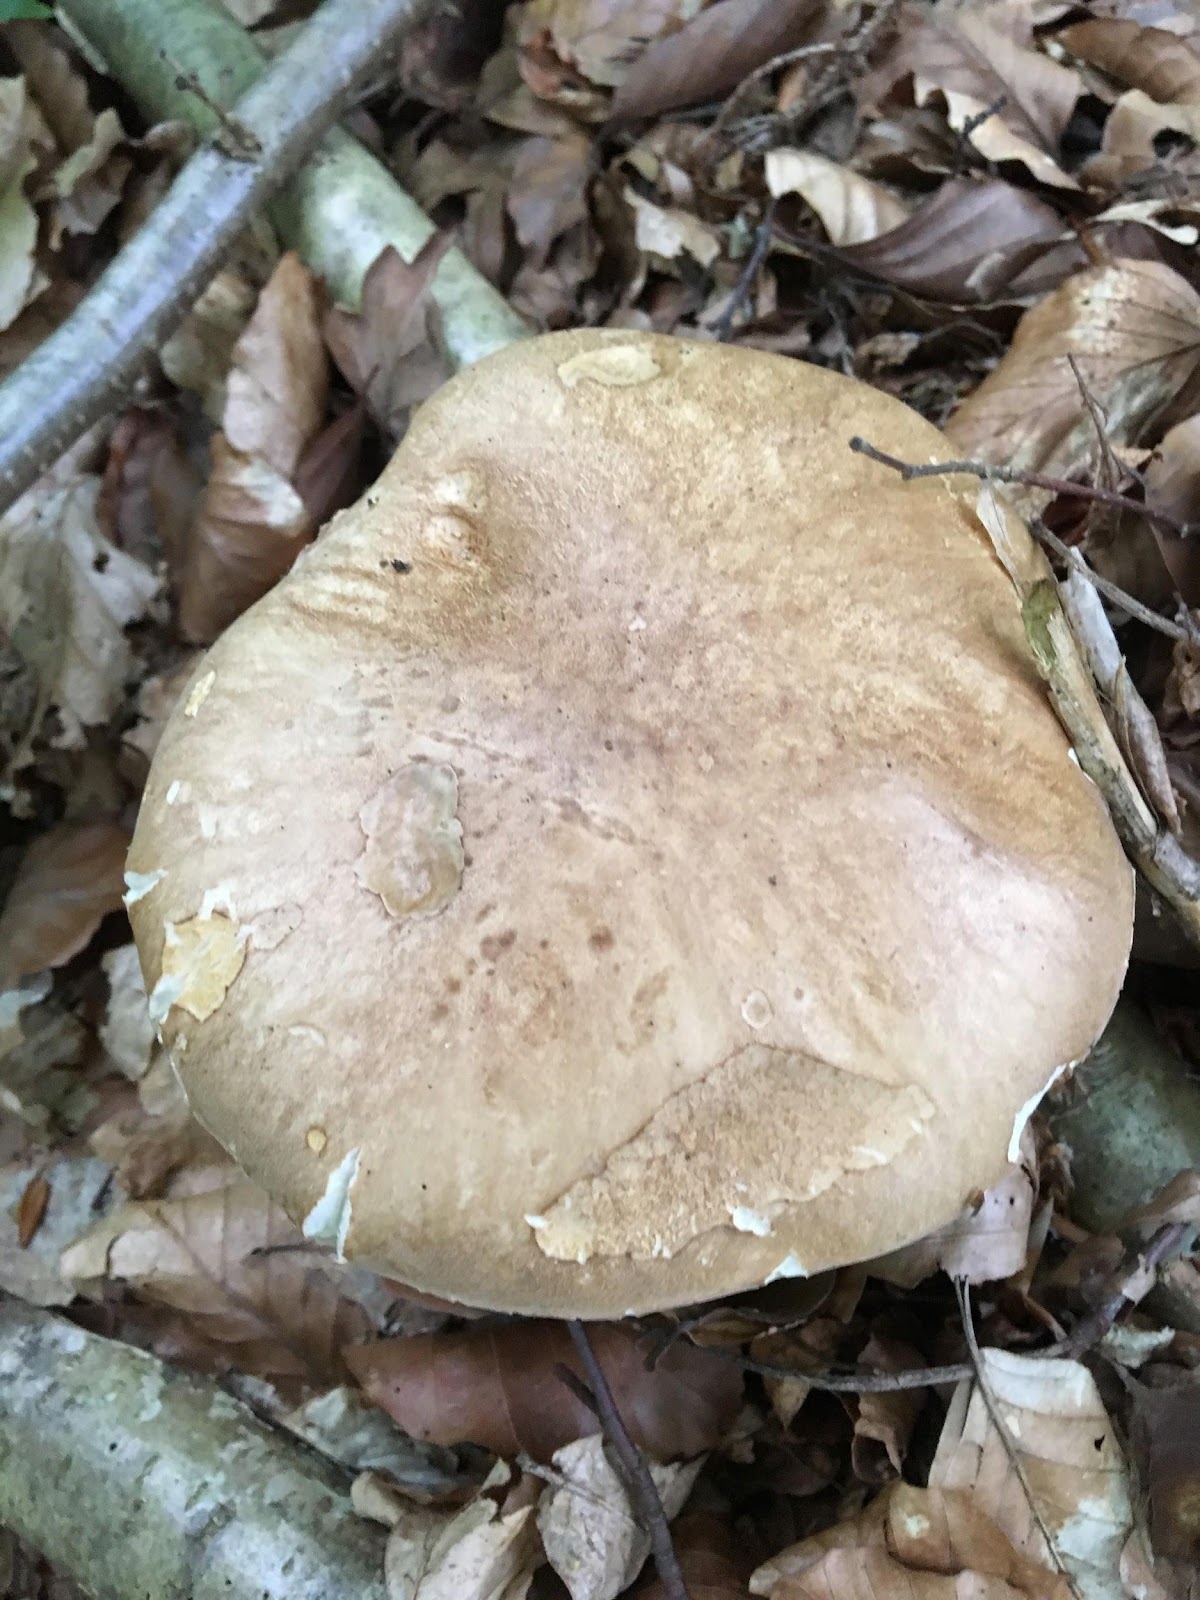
{"x":497,"y":1387}
{"x":70,"y":879}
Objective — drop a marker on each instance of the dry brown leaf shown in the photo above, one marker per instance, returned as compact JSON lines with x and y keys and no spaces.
{"x":278,"y":384}
{"x":240,"y":1274}
{"x":965,"y":244}
{"x":598,"y":39}
{"x":712,"y":53}
{"x":70,"y":879}
{"x":710,"y":1557}
{"x":884,"y":1424}
{"x":1133,"y":329}
{"x":852,"y":208}
{"x":974,"y":58}
{"x":1130,"y":131}
{"x":497,"y":1387}
{"x":910,"y":1542}
{"x":1159,"y":62}
{"x":1058,"y":1429}
{"x":1166,"y":1442}
{"x":589,"y":1531}
{"x":31,"y":1209}
{"x":199,"y":353}
{"x":390,"y":351}
{"x":547,"y":194}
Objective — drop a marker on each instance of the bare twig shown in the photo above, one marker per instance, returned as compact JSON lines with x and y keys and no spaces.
{"x":742,"y":288}
{"x":993,"y":1410}
{"x":643,"y":1493}
{"x":1089,"y":1330}
{"x":1031,"y":480}
{"x":801,"y":53}
{"x":1110,"y":591}
{"x":93,"y":360}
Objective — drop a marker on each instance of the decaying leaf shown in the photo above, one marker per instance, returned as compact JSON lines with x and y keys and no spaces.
{"x":852,"y":208}
{"x":1173,"y":486}
{"x":240,"y":1275}
{"x":547,"y":194}
{"x":1155,"y":60}
{"x":589,"y":1531}
{"x":252,"y":521}
{"x":1012,"y":101}
{"x":595,"y":39}
{"x":712,"y":53}
{"x":711,"y":1558}
{"x":1076,"y":1474}
{"x":670,"y":231}
{"x":885,"y":1422}
{"x":1133,"y":329}
{"x":390,"y":351}
{"x":19,"y":277}
{"x":931,"y":1544}
{"x":70,"y":879}
{"x":497,"y":1387}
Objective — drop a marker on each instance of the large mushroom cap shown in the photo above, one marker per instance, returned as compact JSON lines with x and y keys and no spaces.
{"x":631,"y":857}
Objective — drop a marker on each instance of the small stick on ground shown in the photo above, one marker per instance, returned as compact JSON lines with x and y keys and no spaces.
{"x":1031,"y":480}
{"x":1166,"y":1241}
{"x":639,"y":1485}
{"x":742,"y":288}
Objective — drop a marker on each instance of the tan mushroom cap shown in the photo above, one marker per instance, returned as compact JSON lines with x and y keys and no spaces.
{"x":632,"y":856}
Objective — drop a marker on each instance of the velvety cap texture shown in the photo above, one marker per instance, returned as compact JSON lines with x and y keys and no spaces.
{"x":631,"y":857}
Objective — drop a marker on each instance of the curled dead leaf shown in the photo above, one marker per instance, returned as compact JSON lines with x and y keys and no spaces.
{"x":852,"y":208}
{"x":1155,"y":60}
{"x":498,"y":1387}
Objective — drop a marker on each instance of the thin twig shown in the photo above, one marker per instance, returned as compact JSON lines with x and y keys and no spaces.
{"x":1032,"y":480}
{"x":92,"y":362}
{"x":1089,"y":1330}
{"x":640,"y":1485}
{"x":1110,"y":591}
{"x":993,"y":1410}
{"x":741,"y":289}
{"x":801,"y":53}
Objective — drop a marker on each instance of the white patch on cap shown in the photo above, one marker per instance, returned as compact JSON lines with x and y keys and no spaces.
{"x":163,"y":996}
{"x":199,"y":694}
{"x":174,"y":791}
{"x":218,"y":898}
{"x":139,"y":884}
{"x":534,"y":1221}
{"x":789,"y":1267}
{"x":329,"y":1219}
{"x":747,"y":1221}
{"x":1030,"y":1106}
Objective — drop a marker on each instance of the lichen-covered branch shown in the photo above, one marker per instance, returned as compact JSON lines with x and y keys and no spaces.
{"x":340,"y":210}
{"x":137,"y":1480}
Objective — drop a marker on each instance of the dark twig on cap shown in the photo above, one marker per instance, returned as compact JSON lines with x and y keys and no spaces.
{"x":630,"y":1462}
{"x":1031,"y":480}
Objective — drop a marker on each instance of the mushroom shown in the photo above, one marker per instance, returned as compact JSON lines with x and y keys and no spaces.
{"x":631,"y":858}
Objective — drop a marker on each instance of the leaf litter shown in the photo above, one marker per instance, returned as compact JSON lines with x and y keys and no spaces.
{"x":992,"y":211}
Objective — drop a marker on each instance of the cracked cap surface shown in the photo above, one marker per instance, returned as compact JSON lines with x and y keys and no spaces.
{"x":631,"y":856}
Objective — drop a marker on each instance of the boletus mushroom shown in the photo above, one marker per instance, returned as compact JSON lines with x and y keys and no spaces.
{"x":631,"y":858}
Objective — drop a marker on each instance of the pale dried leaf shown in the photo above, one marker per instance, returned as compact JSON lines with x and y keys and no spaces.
{"x":589,"y":1532}
{"x":66,"y":596}
{"x":1173,"y":486}
{"x":974,"y":58}
{"x":241,"y":1274}
{"x":348,"y":1429}
{"x":712,"y":53}
{"x":41,"y":1045}
{"x":19,"y":278}
{"x":278,"y":385}
{"x":885,"y":1421}
{"x":198,"y":355}
{"x":669,"y":231}
{"x":70,"y":879}
{"x":250,"y":526}
{"x":1133,"y":329}
{"x":1130,"y":131}
{"x":852,"y":208}
{"x":1077,"y":1475}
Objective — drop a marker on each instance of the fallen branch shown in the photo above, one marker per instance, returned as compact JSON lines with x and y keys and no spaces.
{"x":91,"y":363}
{"x":136,"y":1479}
{"x":639,"y":1485}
